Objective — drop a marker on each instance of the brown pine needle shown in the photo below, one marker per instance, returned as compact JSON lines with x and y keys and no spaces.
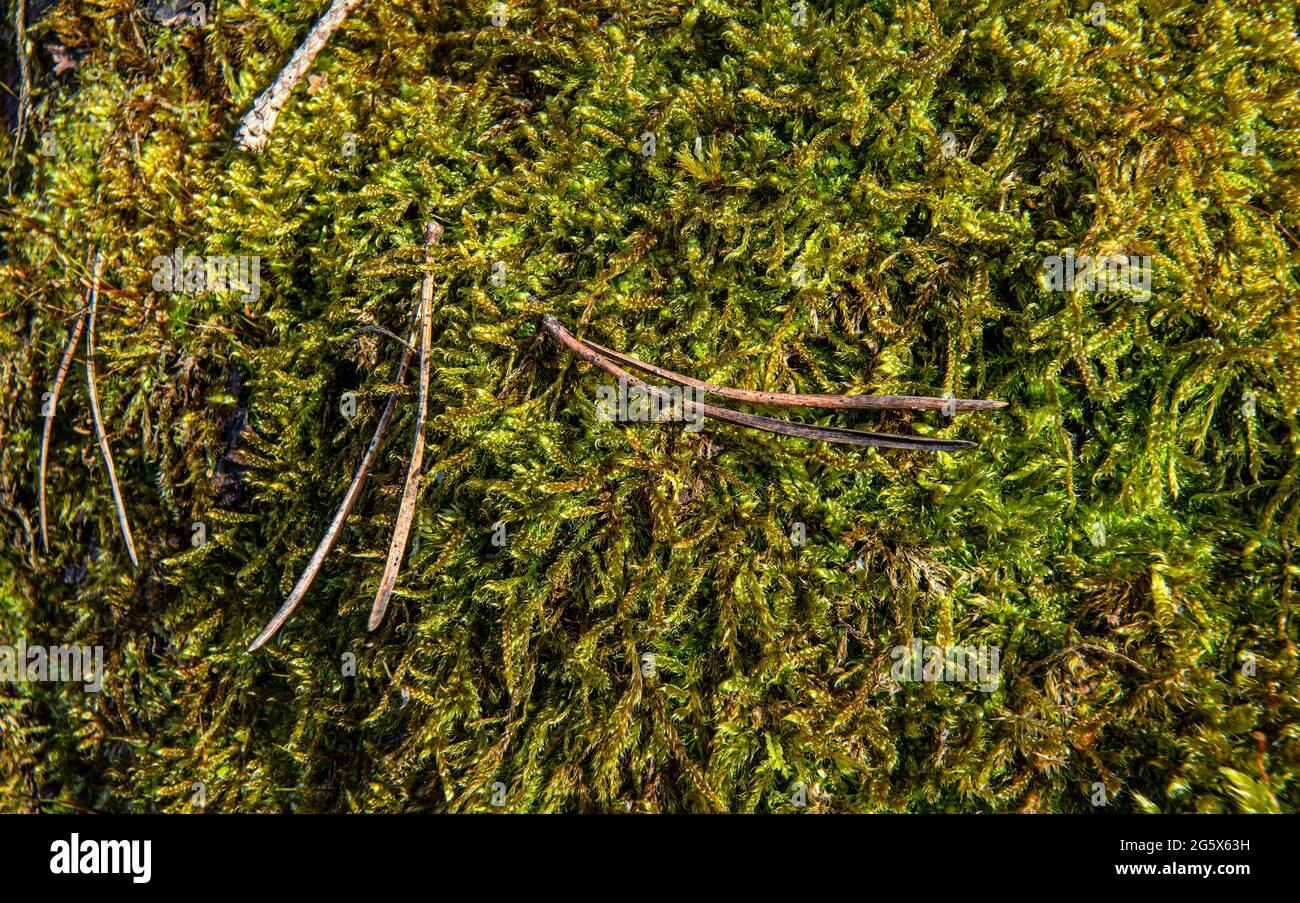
{"x":767,"y":424}
{"x":94,"y":412}
{"x":61,"y":375}
{"x":349,"y":499}
{"x":875,"y":402}
{"x":406,"y":511}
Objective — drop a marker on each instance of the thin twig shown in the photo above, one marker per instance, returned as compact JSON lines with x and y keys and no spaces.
{"x":875,"y":402}
{"x":24,"y":87}
{"x":62,"y":374}
{"x":349,"y":499}
{"x":94,"y":412}
{"x":1087,"y":647}
{"x":255,"y":129}
{"x":767,"y":424}
{"x":1276,"y":220}
{"x":406,"y":511}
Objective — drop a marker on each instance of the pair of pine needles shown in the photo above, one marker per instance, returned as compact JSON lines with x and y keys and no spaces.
{"x":406,"y":509}
{"x":608,"y":359}
{"x":85,"y":321}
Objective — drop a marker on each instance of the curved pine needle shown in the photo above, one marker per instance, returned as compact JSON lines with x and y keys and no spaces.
{"x":94,"y":412}
{"x":59,"y":377}
{"x":874,"y":402}
{"x":767,"y":424}
{"x":349,"y":499}
{"x":406,"y":511}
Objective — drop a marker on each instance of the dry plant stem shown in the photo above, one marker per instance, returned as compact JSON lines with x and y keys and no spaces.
{"x":24,"y":85}
{"x":767,"y":424}
{"x":59,"y":377}
{"x":349,"y":499}
{"x":875,"y":402}
{"x":406,"y":511}
{"x":255,"y":129}
{"x":94,"y":412}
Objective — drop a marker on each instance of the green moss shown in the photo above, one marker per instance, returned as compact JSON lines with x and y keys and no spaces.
{"x":1170,"y":422}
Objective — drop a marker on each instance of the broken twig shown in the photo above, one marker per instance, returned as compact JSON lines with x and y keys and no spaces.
{"x":24,"y":87}
{"x":255,"y":129}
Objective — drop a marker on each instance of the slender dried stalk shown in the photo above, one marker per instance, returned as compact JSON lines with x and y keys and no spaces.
{"x":94,"y":412}
{"x":349,"y":499}
{"x":406,"y":511}
{"x":61,"y":375}
{"x":875,"y":402}
{"x":255,"y":129}
{"x":767,"y":424}
{"x":24,"y":86}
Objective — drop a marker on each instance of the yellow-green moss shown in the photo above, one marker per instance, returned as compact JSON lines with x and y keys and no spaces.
{"x":1170,"y":422}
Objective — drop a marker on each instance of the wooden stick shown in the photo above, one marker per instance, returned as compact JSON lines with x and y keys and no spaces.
{"x":61,"y":375}
{"x":349,"y":499}
{"x":767,"y":424}
{"x":255,"y":129}
{"x":94,"y":412}
{"x":406,"y":511}
{"x":874,"y":402}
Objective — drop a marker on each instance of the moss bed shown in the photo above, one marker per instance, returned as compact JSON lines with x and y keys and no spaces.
{"x":868,"y":209}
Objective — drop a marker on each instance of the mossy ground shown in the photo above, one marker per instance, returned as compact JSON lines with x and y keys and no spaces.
{"x":1159,"y":661}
